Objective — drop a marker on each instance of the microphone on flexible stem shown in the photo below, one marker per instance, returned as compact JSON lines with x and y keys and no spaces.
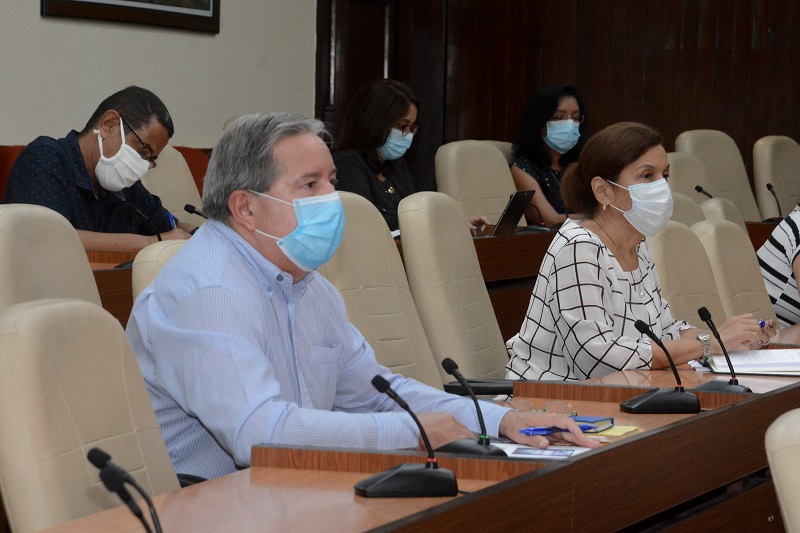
{"x":662,"y":400}
{"x":702,"y":191}
{"x":535,"y":228}
{"x":732,"y":385}
{"x":483,"y":446}
{"x":114,"y":478}
{"x":408,"y":480}
{"x":133,"y":210}
{"x":771,"y":189}
{"x":192,"y":210}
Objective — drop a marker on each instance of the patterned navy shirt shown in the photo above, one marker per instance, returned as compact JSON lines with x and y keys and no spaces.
{"x":52,"y":173}
{"x":549,"y":180}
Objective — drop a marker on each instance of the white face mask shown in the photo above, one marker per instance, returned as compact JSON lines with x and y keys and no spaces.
{"x":651,"y":206}
{"x":121,"y":170}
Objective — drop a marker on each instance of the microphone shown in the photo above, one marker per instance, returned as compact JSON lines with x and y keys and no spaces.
{"x":702,"y":191}
{"x":114,"y":478}
{"x":732,"y":385}
{"x":468,"y":446}
{"x":133,"y":210}
{"x":771,"y":189}
{"x":662,"y":400}
{"x":192,"y":210}
{"x":408,"y":480}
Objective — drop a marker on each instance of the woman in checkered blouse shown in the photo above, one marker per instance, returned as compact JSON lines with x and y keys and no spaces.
{"x":598,"y":276}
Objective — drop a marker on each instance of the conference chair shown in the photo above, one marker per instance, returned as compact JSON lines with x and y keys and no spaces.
{"x":476,"y":175}
{"x":148,"y":262}
{"x":173,"y":183}
{"x":368,"y":272}
{"x":448,"y":287}
{"x":685,"y":173}
{"x":41,"y":256}
{"x":782,"y":443}
{"x":69,"y":382}
{"x":198,"y":165}
{"x":726,"y":175}
{"x":687,"y":279}
{"x":8,"y":154}
{"x":685,"y":210}
{"x":735,"y":267}
{"x":506,"y":148}
{"x":776,"y":161}
{"x":718,"y":208}
{"x":230,"y":121}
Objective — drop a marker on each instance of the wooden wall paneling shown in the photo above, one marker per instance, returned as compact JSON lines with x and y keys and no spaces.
{"x":498,"y":77}
{"x":520,"y":83}
{"x":704,"y":73}
{"x":658,"y":81}
{"x":722,"y":61}
{"x":688,"y":22}
{"x":460,"y":59}
{"x":737,"y":93}
{"x":595,"y":79}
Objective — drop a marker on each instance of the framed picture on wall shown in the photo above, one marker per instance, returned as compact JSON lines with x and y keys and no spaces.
{"x":193,"y":15}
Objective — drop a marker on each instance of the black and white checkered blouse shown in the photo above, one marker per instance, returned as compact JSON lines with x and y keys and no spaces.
{"x":580,"y":320}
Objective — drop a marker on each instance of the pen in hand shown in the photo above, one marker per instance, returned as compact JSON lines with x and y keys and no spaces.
{"x":544,"y":430}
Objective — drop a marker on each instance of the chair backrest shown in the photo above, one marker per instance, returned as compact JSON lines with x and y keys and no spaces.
{"x":448,"y":286}
{"x":41,"y":256}
{"x":68,"y":382}
{"x":8,"y":154}
{"x":685,"y":210}
{"x":725,"y":172}
{"x":148,"y":262}
{"x":736,"y":270}
{"x":230,"y":121}
{"x":782,"y":443}
{"x":198,"y":165}
{"x":506,"y":148}
{"x":475,"y":174}
{"x":172,"y":181}
{"x":718,"y":208}
{"x":687,"y":280}
{"x":368,"y":272}
{"x":685,"y":173}
{"x":776,"y":160}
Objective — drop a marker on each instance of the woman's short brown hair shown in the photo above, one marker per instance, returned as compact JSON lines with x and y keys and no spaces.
{"x":605,"y":155}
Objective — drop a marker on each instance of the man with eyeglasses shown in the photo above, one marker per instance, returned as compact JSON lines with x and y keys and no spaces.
{"x":93,"y":177}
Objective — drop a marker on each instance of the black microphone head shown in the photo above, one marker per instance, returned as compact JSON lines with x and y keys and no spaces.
{"x":98,"y":457}
{"x":380,"y":383}
{"x":705,"y":316}
{"x":641,"y":326}
{"x":698,"y":188}
{"x":769,"y":187}
{"x":449,"y":365}
{"x":189,"y":208}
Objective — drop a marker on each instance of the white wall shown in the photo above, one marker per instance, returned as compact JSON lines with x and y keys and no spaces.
{"x":57,"y":70}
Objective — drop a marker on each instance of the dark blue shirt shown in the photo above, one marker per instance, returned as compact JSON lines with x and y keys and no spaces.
{"x":549,"y":180}
{"x":52,"y":173}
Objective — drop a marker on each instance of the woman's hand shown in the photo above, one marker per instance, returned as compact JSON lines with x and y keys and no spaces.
{"x":477,"y":224}
{"x":743,"y":332}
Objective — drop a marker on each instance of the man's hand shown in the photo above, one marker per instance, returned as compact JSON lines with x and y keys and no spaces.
{"x":514,"y":421}
{"x":442,"y":428}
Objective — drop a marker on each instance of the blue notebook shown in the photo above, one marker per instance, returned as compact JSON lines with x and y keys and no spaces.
{"x":602,"y":423}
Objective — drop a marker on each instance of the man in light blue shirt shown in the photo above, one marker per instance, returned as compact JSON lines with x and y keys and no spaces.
{"x":242,"y":342}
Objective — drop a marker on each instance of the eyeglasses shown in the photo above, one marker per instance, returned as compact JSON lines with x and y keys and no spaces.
{"x":405,"y":129}
{"x":574,"y":118}
{"x":145,"y":151}
{"x":556,"y":408}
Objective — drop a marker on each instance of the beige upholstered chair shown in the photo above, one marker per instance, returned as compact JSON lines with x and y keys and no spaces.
{"x":172,"y":181}
{"x":725,"y":172}
{"x":476,"y":175}
{"x":782,"y":443}
{"x":68,"y":382}
{"x":148,"y":263}
{"x":776,"y":160}
{"x":230,"y":121}
{"x":368,"y":271}
{"x":718,"y":208}
{"x":506,"y":148}
{"x":41,"y":256}
{"x":448,"y":287}
{"x":687,"y":280}
{"x":735,"y":266}
{"x":685,"y":210}
{"x":685,"y":173}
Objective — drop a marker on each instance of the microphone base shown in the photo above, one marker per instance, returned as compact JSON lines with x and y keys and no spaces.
{"x":470,"y":447}
{"x":662,"y":401}
{"x":718,"y":385}
{"x":409,"y":480}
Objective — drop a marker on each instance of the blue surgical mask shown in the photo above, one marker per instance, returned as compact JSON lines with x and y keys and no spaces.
{"x":562,"y":135}
{"x":396,"y":145}
{"x":319,"y":231}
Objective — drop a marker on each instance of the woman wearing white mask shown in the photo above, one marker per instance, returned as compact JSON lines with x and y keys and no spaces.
{"x":598,"y":277}
{"x":551,"y":134}
{"x":379,"y":128}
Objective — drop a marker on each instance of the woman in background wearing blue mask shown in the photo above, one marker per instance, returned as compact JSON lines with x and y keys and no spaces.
{"x":551,"y":135}
{"x":598,"y":277}
{"x":379,"y":128}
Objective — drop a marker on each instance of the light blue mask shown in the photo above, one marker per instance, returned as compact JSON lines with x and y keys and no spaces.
{"x":319,"y":231}
{"x":562,"y":135}
{"x":396,"y":145}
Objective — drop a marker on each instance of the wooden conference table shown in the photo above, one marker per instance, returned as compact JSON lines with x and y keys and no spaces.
{"x":677,"y":473}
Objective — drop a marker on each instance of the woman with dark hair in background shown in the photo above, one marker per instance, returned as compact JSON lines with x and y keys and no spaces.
{"x":551,"y":135}
{"x":378,"y":129}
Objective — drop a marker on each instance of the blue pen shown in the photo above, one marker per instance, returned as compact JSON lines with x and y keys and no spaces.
{"x":172,"y":221}
{"x":762,"y":324}
{"x":543,"y":430}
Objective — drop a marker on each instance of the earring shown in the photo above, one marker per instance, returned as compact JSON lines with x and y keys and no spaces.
{"x":604,"y":207}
